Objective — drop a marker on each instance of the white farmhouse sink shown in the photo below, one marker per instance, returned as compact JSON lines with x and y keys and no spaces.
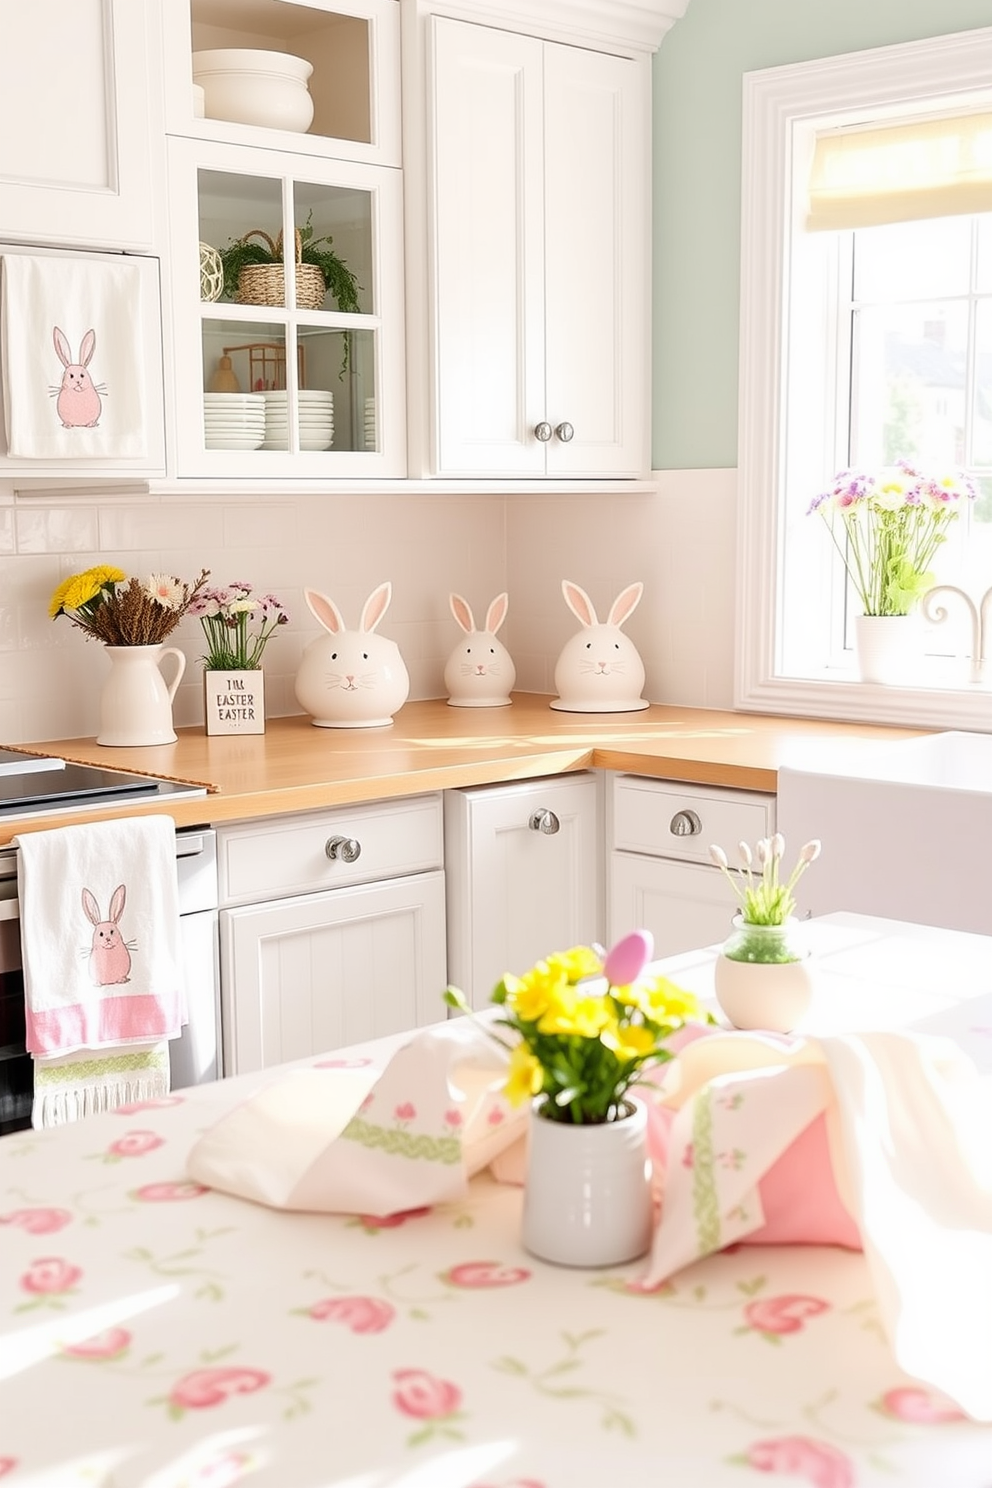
{"x":906,"y":829}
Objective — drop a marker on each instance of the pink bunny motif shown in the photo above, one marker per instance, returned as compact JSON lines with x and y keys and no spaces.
{"x":78,"y":403}
{"x":110,"y":959}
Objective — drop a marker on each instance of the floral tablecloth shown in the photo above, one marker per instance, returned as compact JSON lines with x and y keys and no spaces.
{"x":157,"y":1333}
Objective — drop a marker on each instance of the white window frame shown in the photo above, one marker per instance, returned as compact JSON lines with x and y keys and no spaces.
{"x":780,"y":105}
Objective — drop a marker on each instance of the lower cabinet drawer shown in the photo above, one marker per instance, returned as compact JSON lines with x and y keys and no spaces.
{"x":330,"y":849}
{"x":664,"y":819}
{"x":684,"y":905}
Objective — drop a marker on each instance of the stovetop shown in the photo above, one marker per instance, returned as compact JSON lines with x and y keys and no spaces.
{"x":30,"y":785}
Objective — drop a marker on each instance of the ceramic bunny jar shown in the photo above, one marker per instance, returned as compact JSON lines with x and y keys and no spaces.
{"x":599,"y":669}
{"x":351,"y":678}
{"x":479,"y":672}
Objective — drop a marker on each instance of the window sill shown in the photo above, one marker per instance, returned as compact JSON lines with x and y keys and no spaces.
{"x":948,"y":702}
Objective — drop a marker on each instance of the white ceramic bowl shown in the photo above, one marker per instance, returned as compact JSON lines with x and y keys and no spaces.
{"x":245,"y":86}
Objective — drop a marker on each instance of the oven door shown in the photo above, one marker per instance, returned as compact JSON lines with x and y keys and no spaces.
{"x":16,"y":1074}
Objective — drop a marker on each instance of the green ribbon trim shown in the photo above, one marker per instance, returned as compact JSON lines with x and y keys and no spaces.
{"x":149,"y":1060}
{"x":704,"y":1198}
{"x":398,"y":1143}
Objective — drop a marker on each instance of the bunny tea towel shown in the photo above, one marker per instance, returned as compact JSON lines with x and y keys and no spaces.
{"x":71,"y":358}
{"x":103,"y":980}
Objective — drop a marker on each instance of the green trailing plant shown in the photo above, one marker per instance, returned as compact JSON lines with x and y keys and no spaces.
{"x":339,"y":280}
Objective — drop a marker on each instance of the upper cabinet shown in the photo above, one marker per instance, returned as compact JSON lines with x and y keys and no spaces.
{"x":286,"y":265}
{"x":76,"y":124}
{"x":537,"y":230}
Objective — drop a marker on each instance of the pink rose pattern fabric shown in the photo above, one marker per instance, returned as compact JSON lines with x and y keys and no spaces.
{"x":242,"y":1345}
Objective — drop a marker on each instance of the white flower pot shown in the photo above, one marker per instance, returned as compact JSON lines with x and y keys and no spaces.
{"x":136,"y":704}
{"x":234,"y":702}
{"x":587,"y":1199}
{"x":773,"y":993}
{"x":888,"y":648}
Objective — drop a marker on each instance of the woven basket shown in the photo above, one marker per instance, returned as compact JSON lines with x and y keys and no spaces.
{"x":265,"y":284}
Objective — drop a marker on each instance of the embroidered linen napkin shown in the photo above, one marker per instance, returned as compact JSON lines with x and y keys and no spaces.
{"x":71,"y":358}
{"x":103,"y":981}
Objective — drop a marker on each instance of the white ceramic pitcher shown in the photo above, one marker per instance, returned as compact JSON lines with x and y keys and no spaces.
{"x":136,"y":703}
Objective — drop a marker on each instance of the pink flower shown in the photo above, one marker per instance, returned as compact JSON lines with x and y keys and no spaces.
{"x":136,"y":1144}
{"x":820,"y":1464}
{"x":38,"y":1221}
{"x":164,"y":1193}
{"x":360,"y":1314}
{"x":391,"y":1221}
{"x":7,"y":1464}
{"x":221,"y":1472}
{"x":484,"y":1274}
{"x":405,"y":1112}
{"x":206,"y":1387}
{"x":689,"y":1156}
{"x":496,"y":1116}
{"x":423,"y":1395}
{"x":148,"y":1105}
{"x":785,"y":1314}
{"x":50,"y":1275}
{"x":453,"y":1118}
{"x":109,"y":1344}
{"x":925,"y":1407}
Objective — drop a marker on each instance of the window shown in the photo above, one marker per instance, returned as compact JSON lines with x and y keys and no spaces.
{"x":858,"y":344}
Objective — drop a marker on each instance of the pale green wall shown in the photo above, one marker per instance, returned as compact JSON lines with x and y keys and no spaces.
{"x":697,"y":183}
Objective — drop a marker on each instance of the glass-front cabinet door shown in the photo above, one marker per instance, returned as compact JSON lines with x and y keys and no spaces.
{"x":288,"y":313}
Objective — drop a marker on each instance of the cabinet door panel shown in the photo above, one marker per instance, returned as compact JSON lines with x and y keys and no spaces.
{"x":596,"y":126}
{"x":488,"y":183}
{"x":516,"y":893}
{"x":317,"y":972}
{"x":684,"y":905}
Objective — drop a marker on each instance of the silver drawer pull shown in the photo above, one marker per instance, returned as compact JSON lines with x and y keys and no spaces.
{"x":544,"y":821}
{"x":565,"y":432}
{"x":543,"y":431}
{"x":345,"y":849}
{"x":685,"y":824}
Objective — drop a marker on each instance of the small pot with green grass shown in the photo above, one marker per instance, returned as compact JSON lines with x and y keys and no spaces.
{"x":762,"y":975}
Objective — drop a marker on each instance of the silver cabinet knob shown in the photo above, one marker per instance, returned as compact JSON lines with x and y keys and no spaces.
{"x":343,"y":849}
{"x":685,"y":824}
{"x":543,"y":820}
{"x":565,"y":432}
{"x":543,"y":431}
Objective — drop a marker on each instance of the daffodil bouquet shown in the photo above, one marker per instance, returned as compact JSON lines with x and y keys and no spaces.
{"x":586,"y":1026}
{"x":105,"y":604}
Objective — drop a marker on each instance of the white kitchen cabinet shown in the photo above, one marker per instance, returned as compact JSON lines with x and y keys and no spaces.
{"x":523,"y":870}
{"x":539,"y":192}
{"x":79,"y":126}
{"x":340,"y":180}
{"x":661,"y":876}
{"x":332,"y":929}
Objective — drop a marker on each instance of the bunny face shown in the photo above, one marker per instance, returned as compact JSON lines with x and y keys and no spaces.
{"x":599,"y":669}
{"x":110,"y":959}
{"x":351,"y":678}
{"x":479,"y":672}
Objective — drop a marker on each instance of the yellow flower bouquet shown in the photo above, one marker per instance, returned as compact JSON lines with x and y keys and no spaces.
{"x":105,"y":604}
{"x":586,"y":1026}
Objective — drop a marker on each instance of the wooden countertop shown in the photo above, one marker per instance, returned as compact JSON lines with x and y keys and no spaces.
{"x":430,"y":746}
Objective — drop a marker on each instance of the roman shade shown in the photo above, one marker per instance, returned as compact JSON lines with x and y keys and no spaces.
{"x":933,"y":167}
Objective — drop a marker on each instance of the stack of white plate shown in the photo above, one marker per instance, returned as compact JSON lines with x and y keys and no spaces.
{"x":316,"y":419}
{"x":233,"y":421}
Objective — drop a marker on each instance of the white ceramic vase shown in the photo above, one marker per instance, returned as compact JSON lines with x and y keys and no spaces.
{"x":763,"y":976}
{"x":136,"y":703}
{"x":587,"y":1198}
{"x":888,"y":648}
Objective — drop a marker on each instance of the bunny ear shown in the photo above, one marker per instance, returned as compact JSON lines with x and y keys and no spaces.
{"x":324,"y":610}
{"x":61,"y":346}
{"x":117,"y":903}
{"x":462,"y":612}
{"x":496,"y":613}
{"x":376,"y":606}
{"x":90,"y":908}
{"x":579,"y":602}
{"x":625,"y":603}
{"x":87,"y":347}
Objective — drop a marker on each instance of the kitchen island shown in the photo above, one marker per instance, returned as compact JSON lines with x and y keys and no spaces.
{"x":158,"y":1333}
{"x":431,"y":746}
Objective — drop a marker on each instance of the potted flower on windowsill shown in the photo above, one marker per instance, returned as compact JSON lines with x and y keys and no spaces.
{"x":887,"y":526}
{"x":132,"y":618}
{"x":583,"y":1027}
{"x":238,"y":627}
{"x":762,"y":976}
